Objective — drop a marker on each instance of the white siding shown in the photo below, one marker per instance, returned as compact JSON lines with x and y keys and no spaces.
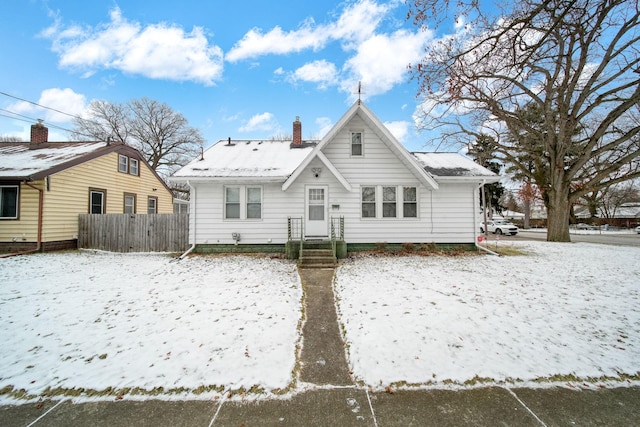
{"x":446,"y":215}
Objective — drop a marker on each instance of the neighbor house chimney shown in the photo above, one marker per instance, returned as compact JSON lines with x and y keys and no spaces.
{"x":39,"y":133}
{"x":297,"y":132}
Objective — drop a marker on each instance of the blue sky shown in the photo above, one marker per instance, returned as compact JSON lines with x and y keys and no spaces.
{"x":239,"y":69}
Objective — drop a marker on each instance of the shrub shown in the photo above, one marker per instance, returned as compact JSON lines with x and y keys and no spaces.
{"x":408,"y":247}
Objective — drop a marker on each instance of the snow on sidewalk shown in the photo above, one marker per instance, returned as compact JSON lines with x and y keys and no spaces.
{"x":565,"y":309}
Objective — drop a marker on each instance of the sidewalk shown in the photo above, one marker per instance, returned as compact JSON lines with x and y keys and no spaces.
{"x":332,"y":399}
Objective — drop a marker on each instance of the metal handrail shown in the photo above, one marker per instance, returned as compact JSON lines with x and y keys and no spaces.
{"x":339,"y":235}
{"x":295,"y":227}
{"x":301,"y":234}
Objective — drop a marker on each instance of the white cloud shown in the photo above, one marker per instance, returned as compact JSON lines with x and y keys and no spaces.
{"x":260,"y":122}
{"x":159,"y":51}
{"x":322,"y":72}
{"x":399,"y":129}
{"x":356,"y":23}
{"x":325,"y":125}
{"x":381,"y":61}
{"x":65,"y":100}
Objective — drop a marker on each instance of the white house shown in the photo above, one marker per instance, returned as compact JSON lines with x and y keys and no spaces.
{"x":358,"y":184}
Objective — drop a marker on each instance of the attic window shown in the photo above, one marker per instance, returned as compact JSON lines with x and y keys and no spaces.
{"x":128,"y":165}
{"x":123,"y":164}
{"x":356,"y":143}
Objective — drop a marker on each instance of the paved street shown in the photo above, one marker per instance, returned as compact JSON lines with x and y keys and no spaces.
{"x":602,"y":238}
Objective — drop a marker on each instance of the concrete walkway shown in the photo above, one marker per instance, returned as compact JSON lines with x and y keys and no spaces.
{"x":323,"y":360}
{"x":332,"y":399}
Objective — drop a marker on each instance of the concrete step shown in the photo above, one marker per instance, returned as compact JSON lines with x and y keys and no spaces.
{"x":317,"y":253}
{"x":317,"y":258}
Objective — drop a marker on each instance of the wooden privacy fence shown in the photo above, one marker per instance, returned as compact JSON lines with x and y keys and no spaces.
{"x":134,"y":232}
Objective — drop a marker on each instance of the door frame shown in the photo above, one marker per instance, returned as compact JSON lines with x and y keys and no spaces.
{"x":314,"y":231}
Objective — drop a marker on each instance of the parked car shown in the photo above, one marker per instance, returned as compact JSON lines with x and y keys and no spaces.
{"x":638,"y":229}
{"x":499,"y":226}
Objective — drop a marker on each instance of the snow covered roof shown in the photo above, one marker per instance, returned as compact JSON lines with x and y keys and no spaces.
{"x":265,"y":159}
{"x":453,"y":165}
{"x":24,"y":160}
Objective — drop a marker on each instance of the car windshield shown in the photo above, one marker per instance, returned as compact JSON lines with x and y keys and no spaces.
{"x":501,"y":221}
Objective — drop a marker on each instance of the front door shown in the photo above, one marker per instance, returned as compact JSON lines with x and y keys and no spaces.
{"x":316,"y":223}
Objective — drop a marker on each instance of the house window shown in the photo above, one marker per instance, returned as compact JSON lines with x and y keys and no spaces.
{"x":254,"y":202}
{"x":316,"y":204}
{"x":9,"y":201}
{"x":368,"y":202}
{"x":97,"y":201}
{"x":129,"y":203}
{"x":133,"y":167}
{"x":232,"y":203}
{"x":389,"y":202}
{"x":152,"y":205}
{"x":397,"y":202}
{"x":409,"y":202}
{"x":128,"y":165}
{"x":123,"y":164}
{"x":356,"y":143}
{"x":242,"y":202}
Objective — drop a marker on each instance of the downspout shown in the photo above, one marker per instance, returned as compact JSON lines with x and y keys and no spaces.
{"x":193,"y":245}
{"x":484,"y":215}
{"x":40,"y":220}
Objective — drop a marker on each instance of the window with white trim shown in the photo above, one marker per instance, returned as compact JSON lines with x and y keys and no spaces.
{"x":128,"y":165}
{"x":368,"y":202}
{"x":409,"y":202}
{"x":242,"y":202}
{"x":397,"y":201}
{"x":389,"y":206}
{"x":254,"y":202}
{"x":133,"y":167}
{"x":232,"y":203}
{"x":356,"y":143}
{"x":152,"y":205}
{"x":9,"y":201}
{"x":129,"y":203}
{"x":123,"y":164}
{"x":97,"y":201}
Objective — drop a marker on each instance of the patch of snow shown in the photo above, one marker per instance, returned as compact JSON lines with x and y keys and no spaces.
{"x":451,"y":164}
{"x":16,"y":159}
{"x":97,"y":320}
{"x":248,"y":159}
{"x":564,"y":309}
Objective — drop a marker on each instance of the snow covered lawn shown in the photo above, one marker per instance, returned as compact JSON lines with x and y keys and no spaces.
{"x":563,"y":311}
{"x":192,"y":329}
{"x":103,"y":320}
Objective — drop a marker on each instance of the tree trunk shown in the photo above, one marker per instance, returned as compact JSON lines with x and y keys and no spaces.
{"x":558,"y":212}
{"x":527,"y":214}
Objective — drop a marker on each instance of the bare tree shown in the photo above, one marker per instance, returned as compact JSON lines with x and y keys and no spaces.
{"x":611,"y":199}
{"x":162,"y":135}
{"x":10,"y":138}
{"x":576,"y":61}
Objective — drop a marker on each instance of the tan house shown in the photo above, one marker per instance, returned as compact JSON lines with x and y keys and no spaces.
{"x":45,"y":185}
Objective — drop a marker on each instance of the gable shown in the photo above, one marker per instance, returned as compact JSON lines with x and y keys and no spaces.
{"x":386,"y":153}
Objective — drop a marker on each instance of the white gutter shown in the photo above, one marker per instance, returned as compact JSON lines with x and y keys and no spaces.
{"x":475,"y":227}
{"x":193,"y":245}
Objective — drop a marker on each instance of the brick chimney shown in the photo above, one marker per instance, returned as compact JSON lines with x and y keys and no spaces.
{"x":297,"y":132}
{"x":39,"y":133}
